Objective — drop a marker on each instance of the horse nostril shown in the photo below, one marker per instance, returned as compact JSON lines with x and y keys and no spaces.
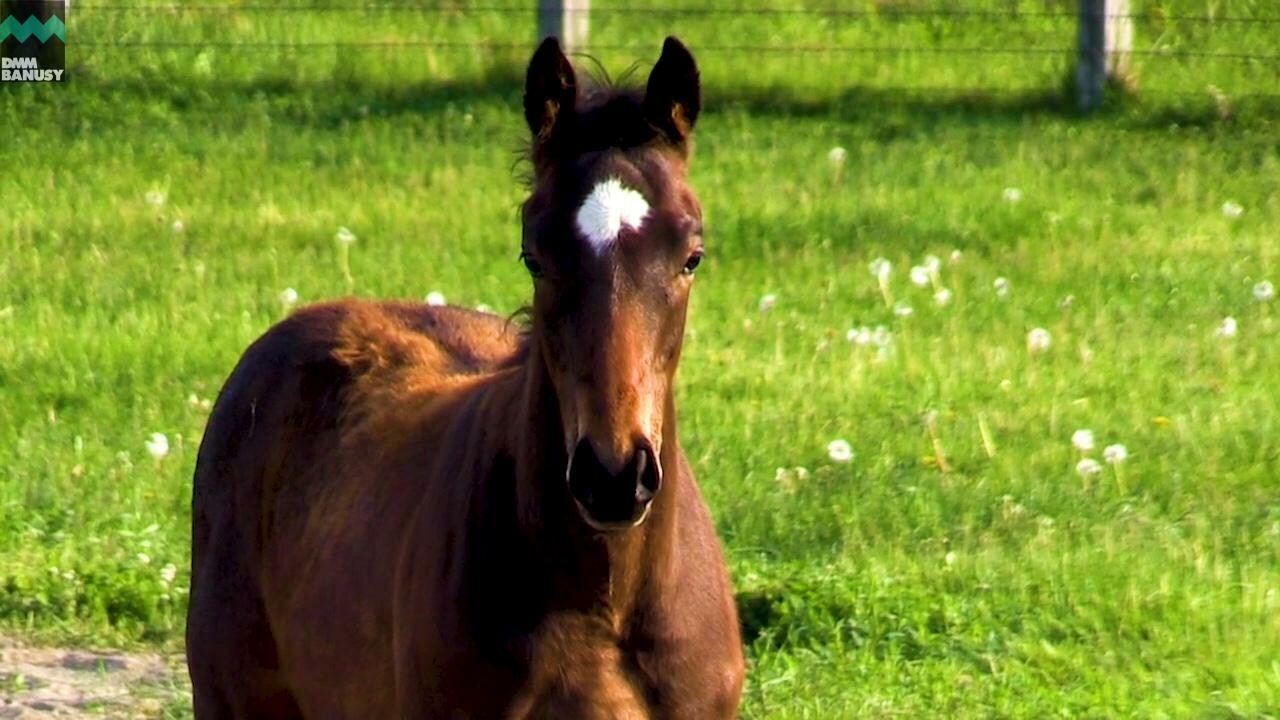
{"x":648,"y":474}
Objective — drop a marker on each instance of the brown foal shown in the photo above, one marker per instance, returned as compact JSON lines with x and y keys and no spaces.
{"x":404,"y":511}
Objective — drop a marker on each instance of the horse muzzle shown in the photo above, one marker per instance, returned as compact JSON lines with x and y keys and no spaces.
{"x":613,"y":500}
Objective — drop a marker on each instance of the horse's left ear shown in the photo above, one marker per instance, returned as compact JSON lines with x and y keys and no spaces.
{"x":674,"y":95}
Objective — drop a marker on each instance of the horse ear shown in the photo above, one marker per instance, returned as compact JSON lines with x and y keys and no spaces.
{"x":674,"y":95}
{"x":550,"y":90}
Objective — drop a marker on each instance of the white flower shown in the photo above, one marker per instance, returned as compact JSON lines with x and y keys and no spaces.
{"x":901,"y":309}
{"x":435,"y":297}
{"x":837,"y":155}
{"x":839,"y":451}
{"x":1228,"y":328}
{"x":1115,"y":453}
{"x":168,"y":573}
{"x":1012,"y":195}
{"x":767,"y":302}
{"x":942,"y":297}
{"x":881,"y":337}
{"x":178,"y":227}
{"x":345,"y":236}
{"x":956,"y":255}
{"x":932,"y":264}
{"x":1082,"y":439}
{"x":920,"y":275}
{"x":155,"y":198}
{"x":802,"y":473}
{"x":949,"y":558}
{"x":1232,"y":209}
{"x":483,"y":308}
{"x":1088,"y":467}
{"x":1001,"y":285}
{"x":859,"y":335}
{"x":1039,"y":340}
{"x":1264,"y":291}
{"x":158,"y":445}
{"x":288,"y":297}
{"x":880,"y":269}
{"x":144,"y":558}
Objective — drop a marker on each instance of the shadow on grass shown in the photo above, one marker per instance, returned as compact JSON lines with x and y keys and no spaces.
{"x":333,"y":102}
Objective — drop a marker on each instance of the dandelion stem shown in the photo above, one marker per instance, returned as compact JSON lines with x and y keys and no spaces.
{"x":344,"y":262}
{"x":939,"y":454}
{"x":1120,"y":484}
{"x":884,"y":291}
{"x":987,"y":443}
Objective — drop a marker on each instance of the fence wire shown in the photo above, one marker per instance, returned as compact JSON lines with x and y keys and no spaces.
{"x":832,"y":19}
{"x":685,"y":11}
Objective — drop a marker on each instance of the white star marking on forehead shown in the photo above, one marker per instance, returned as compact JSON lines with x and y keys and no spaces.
{"x":610,"y":206}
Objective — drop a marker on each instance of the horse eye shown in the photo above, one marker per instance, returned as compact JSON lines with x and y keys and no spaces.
{"x":693,"y":262}
{"x":531,"y":264}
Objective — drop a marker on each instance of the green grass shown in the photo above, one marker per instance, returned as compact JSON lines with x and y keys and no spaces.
{"x":1006,"y":585}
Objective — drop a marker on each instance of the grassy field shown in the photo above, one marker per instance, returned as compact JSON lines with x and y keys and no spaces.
{"x":156,"y":208}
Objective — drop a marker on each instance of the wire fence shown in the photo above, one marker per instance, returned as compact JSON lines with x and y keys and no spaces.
{"x":1209,"y":40}
{"x":728,"y":10}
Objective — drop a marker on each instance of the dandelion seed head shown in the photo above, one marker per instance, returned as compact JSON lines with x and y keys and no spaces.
{"x":1232,"y":209}
{"x":840,"y":451}
{"x":435,"y":298}
{"x":158,"y":445}
{"x":1001,"y":286}
{"x":168,"y":573}
{"x":837,"y":155}
{"x":1088,"y":467}
{"x":1115,"y":454}
{"x":880,"y":269}
{"x":920,"y":275}
{"x":1082,"y":439}
{"x":933,"y":264}
{"x":155,"y":198}
{"x":1228,"y":329}
{"x":1264,"y":291}
{"x":144,"y":558}
{"x":767,"y":302}
{"x":942,"y":297}
{"x":178,"y":227}
{"x":881,"y":337}
{"x":344,"y":236}
{"x":902,"y":309}
{"x":1012,"y":195}
{"x":288,"y":297}
{"x":1039,"y":340}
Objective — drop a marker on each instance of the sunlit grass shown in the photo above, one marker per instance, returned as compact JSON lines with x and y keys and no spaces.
{"x":958,"y":558}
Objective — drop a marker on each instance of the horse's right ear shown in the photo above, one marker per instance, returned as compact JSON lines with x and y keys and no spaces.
{"x":550,"y":91}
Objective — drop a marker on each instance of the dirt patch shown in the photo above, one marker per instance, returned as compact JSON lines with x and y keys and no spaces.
{"x":40,"y":682}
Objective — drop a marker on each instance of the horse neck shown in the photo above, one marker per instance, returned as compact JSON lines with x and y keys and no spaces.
{"x":580,"y":567}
